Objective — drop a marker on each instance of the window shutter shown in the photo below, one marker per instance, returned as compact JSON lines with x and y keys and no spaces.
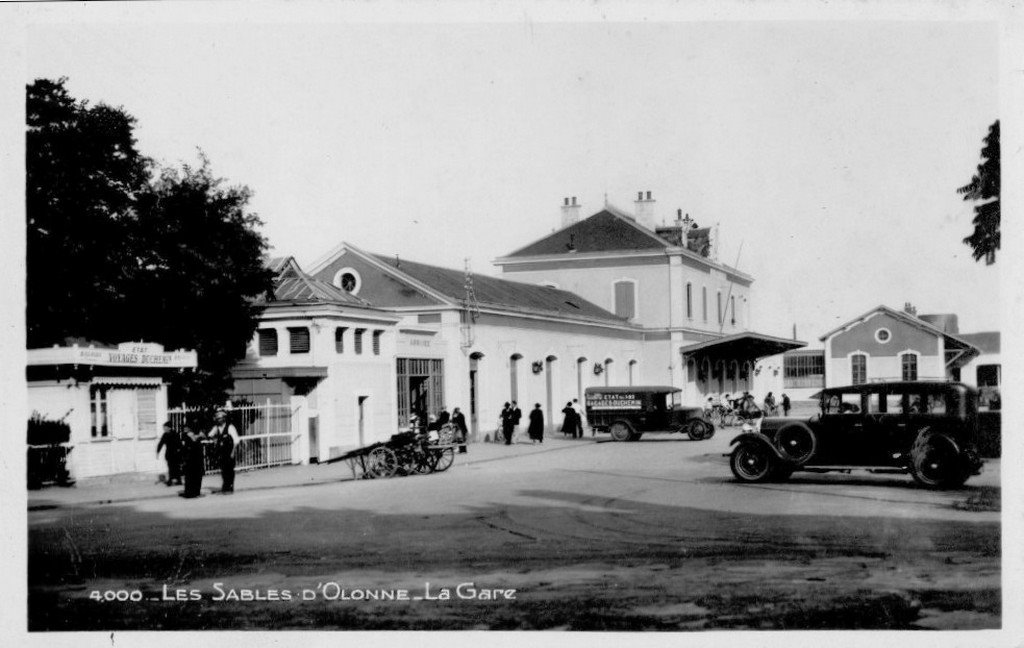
{"x":298,"y":340}
{"x":625,"y":302}
{"x":268,"y":342}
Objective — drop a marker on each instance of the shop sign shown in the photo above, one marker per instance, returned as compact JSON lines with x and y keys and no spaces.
{"x":599,"y":401}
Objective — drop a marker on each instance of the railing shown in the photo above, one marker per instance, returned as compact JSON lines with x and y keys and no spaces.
{"x":266,"y":436}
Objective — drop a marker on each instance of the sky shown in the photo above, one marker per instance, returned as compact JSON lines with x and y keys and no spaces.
{"x":828,"y":153}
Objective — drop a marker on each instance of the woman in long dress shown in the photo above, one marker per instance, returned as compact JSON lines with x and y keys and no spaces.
{"x":536,"y":429}
{"x":569,"y":422}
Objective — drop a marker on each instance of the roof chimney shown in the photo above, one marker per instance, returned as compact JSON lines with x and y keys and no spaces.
{"x":645,"y":210}
{"x":570,"y":212}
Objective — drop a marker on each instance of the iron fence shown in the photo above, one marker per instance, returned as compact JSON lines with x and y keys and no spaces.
{"x":266,"y":433}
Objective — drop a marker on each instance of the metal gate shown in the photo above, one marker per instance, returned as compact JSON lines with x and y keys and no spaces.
{"x":266,"y":433}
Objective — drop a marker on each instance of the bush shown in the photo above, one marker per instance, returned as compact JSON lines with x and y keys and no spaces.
{"x":44,"y":431}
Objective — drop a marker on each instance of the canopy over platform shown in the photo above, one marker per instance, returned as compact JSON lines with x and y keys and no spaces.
{"x":639,"y":389}
{"x":741,"y":346}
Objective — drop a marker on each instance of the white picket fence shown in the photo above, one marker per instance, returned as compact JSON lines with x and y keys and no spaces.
{"x":268,"y":433}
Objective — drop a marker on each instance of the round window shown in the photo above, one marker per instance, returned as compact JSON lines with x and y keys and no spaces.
{"x":348,"y":280}
{"x":883,"y":335}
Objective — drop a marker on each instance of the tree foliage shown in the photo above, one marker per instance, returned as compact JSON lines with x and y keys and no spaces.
{"x":984,"y":186}
{"x":120,"y":250}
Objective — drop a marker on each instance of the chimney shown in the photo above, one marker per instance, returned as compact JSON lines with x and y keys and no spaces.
{"x":570,"y":212}
{"x":909,"y":308}
{"x":645,"y":210}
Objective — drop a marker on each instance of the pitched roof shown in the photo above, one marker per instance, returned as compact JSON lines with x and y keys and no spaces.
{"x":503,"y":294}
{"x":606,"y":230}
{"x":294,"y":285}
{"x":986,"y":341}
{"x":954,"y":341}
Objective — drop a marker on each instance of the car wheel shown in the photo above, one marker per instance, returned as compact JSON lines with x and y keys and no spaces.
{"x":751,"y":463}
{"x":936,"y":465}
{"x":709,"y":430}
{"x":620,"y":431}
{"x":796,"y":442}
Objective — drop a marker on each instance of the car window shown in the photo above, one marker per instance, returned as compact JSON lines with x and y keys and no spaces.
{"x":873,"y":404}
{"x":850,"y":404}
{"x":832,"y":404}
{"x":937,"y":404}
{"x":894,"y":403}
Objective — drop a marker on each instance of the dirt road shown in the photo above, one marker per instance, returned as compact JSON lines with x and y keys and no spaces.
{"x":649,"y":535}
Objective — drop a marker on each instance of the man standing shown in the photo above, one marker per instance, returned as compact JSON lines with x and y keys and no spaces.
{"x":225,"y":437}
{"x":459,"y":420}
{"x":171,"y":441}
{"x":579,"y":417}
{"x":506,"y":418}
{"x":195,"y":462}
{"x":785,"y":405}
{"x":517,"y":415}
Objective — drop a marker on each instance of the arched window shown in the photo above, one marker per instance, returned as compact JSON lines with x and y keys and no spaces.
{"x":513,"y":370}
{"x":632,"y":365}
{"x":607,"y":370}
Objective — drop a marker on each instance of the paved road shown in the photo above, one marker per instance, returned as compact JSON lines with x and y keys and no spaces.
{"x":647,"y":535}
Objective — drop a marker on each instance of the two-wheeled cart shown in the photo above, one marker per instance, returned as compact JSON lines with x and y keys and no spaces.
{"x":406,"y":453}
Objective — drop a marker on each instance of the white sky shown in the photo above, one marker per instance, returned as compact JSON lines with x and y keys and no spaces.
{"x":831,"y":150}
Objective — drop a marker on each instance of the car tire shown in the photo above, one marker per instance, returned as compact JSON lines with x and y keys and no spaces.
{"x":620,"y":431}
{"x":752,"y":463}
{"x":796,"y":443}
{"x":937,"y":465}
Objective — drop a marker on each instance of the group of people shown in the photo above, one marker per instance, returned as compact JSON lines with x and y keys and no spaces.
{"x":432,"y":423}
{"x":185,"y":453}
{"x":746,"y":405}
{"x":511,"y":415}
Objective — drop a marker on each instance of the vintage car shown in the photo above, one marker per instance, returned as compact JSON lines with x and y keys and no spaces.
{"x":628,"y":412}
{"x":927,"y":429}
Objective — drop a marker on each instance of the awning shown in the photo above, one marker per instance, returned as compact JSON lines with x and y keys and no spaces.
{"x":244,"y":373}
{"x":741,"y":346}
{"x":127,"y":381}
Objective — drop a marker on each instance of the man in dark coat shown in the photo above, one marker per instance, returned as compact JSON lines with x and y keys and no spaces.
{"x":536,"y":429}
{"x":195,"y":463}
{"x":459,"y":420}
{"x":171,"y":441}
{"x":785,"y":405}
{"x":507,"y":425}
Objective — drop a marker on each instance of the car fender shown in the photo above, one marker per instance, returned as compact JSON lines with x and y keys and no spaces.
{"x":926,"y":436}
{"x":758,"y":439}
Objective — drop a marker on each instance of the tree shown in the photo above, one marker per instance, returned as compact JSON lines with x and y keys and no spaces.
{"x":119,"y":250}
{"x":985,"y":186}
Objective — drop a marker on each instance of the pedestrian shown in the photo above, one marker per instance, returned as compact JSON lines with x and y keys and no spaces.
{"x":517,"y":415}
{"x":171,"y":441}
{"x":225,"y":437}
{"x":769,"y":403}
{"x":786,"y":405}
{"x":195,"y":462}
{"x":443,"y":417}
{"x":507,"y":426}
{"x":459,"y":420}
{"x":536,"y":429}
{"x":579,"y":417}
{"x":569,"y":422}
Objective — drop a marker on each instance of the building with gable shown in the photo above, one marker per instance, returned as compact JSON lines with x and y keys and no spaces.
{"x":326,"y":350}
{"x":472,"y":341}
{"x":696,"y":313}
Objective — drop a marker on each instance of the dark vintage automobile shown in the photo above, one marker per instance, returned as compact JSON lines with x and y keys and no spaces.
{"x":927,"y":429}
{"x":628,"y":412}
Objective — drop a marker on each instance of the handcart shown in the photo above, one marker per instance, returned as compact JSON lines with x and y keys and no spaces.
{"x":406,"y":453}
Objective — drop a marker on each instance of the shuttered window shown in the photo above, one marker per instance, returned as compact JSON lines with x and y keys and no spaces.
{"x":339,"y":339}
{"x":625,"y":299}
{"x":689,"y":301}
{"x":359,"y":341}
{"x":268,"y":342}
{"x":298,"y":340}
{"x":376,"y":342}
{"x":147,"y":413}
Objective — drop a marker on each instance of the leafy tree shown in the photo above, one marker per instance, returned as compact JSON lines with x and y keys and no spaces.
{"x":985,"y":186}
{"x":119,"y":250}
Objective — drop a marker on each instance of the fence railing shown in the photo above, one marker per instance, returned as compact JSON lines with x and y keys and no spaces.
{"x":266,"y":433}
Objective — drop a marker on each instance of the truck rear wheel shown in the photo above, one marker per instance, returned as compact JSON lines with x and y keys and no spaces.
{"x":621,"y":431}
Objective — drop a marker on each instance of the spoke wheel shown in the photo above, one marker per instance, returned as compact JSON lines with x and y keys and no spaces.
{"x":620,"y":431}
{"x":797,"y":443}
{"x":380,"y":463}
{"x":445,"y":459}
{"x":937,"y":466}
{"x":751,"y":463}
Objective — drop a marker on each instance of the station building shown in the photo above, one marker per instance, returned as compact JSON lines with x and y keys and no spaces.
{"x":697,"y":314}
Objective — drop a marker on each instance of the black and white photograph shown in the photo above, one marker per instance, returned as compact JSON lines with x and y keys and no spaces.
{"x":447,"y":322}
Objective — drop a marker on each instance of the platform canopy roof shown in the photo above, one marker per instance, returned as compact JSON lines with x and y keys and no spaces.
{"x":745,"y":346}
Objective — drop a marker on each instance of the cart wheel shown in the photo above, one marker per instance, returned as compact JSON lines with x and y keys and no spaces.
{"x":381,"y":462}
{"x":445,"y":459}
{"x":620,"y":431}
